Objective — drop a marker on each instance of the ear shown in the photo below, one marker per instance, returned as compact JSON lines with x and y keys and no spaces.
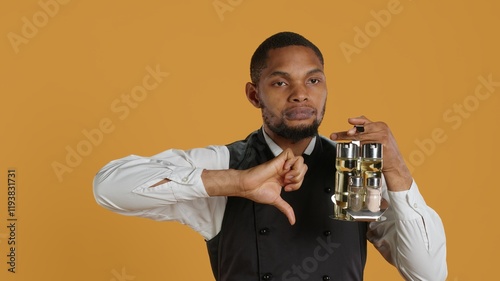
{"x":252,"y":94}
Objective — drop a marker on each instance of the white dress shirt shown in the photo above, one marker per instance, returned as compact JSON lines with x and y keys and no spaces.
{"x":412,"y":238}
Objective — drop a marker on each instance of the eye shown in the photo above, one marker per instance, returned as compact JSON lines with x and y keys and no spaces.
{"x":280,"y":83}
{"x":314,"y":81}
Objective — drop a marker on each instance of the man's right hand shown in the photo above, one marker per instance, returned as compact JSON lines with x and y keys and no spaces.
{"x":262,"y":183}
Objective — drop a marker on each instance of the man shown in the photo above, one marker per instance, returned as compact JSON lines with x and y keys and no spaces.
{"x":235,"y":195}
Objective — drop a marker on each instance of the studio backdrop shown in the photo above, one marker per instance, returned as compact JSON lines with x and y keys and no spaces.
{"x":86,"y":82}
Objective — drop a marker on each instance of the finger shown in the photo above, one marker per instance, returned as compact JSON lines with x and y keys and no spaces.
{"x":288,"y":158}
{"x":292,"y":163}
{"x":345,"y":135}
{"x":297,"y":173}
{"x":286,"y":209}
{"x":295,"y":163}
{"x":293,"y":186}
{"x":361,"y":120}
{"x":353,"y":133}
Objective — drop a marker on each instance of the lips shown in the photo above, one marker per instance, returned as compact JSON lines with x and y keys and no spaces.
{"x":300,"y":113}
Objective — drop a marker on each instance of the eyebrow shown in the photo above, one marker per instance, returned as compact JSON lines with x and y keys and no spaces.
{"x":286,"y":74}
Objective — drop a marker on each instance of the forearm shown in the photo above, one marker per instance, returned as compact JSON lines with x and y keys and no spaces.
{"x":398,"y":179}
{"x":397,"y":175}
{"x":216,"y":182}
{"x":222,"y":182}
{"x":140,"y":183}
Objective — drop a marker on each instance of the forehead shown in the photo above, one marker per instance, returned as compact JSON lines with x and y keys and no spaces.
{"x":293,"y":58}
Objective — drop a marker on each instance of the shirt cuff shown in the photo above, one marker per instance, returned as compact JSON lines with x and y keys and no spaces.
{"x":407,"y":205}
{"x":185,"y":184}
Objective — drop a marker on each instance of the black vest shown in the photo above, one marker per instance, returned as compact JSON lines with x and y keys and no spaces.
{"x":257,"y":242}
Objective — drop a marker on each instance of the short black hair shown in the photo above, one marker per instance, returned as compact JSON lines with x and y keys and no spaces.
{"x":278,"y":40}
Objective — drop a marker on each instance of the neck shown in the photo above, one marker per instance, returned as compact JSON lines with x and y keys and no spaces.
{"x":298,"y":147}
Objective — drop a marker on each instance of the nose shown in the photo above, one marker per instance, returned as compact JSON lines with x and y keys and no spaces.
{"x":299,"y":93}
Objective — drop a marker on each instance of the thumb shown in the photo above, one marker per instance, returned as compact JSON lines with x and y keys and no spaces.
{"x":286,"y":209}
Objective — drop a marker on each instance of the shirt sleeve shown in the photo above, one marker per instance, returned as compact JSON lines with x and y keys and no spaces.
{"x":412,"y":238}
{"x":124,"y":186}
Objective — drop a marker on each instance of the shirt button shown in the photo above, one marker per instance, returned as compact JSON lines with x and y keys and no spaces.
{"x":415,"y":205}
{"x":328,"y":189}
{"x":264,"y":231}
{"x":267,"y":276}
{"x":184,"y":179}
{"x":327,"y":233}
{"x":326,"y":277}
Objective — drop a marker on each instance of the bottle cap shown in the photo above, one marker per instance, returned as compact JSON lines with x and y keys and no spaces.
{"x":356,"y":181}
{"x":373,"y":182}
{"x":347,"y":150}
{"x":371,"y":150}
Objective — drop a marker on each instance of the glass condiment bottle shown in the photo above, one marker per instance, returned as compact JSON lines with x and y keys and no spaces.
{"x":373,"y":194}
{"x":371,"y":160}
{"x":347,"y":165}
{"x":356,"y":193}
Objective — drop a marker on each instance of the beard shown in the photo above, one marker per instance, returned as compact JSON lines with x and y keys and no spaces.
{"x":296,"y":133}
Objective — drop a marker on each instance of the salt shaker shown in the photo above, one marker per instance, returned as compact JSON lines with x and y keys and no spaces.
{"x":356,"y":193}
{"x":373,"y":194}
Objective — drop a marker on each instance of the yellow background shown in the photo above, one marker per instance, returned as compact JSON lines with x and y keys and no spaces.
{"x":415,"y":72}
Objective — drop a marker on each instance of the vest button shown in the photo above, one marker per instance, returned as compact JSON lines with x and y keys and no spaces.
{"x":328,"y":189}
{"x":264,"y":231}
{"x":267,"y":276}
{"x":327,"y":233}
{"x":326,"y":277}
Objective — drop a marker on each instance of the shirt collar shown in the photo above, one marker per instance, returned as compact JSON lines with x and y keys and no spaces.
{"x":277,"y":150}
